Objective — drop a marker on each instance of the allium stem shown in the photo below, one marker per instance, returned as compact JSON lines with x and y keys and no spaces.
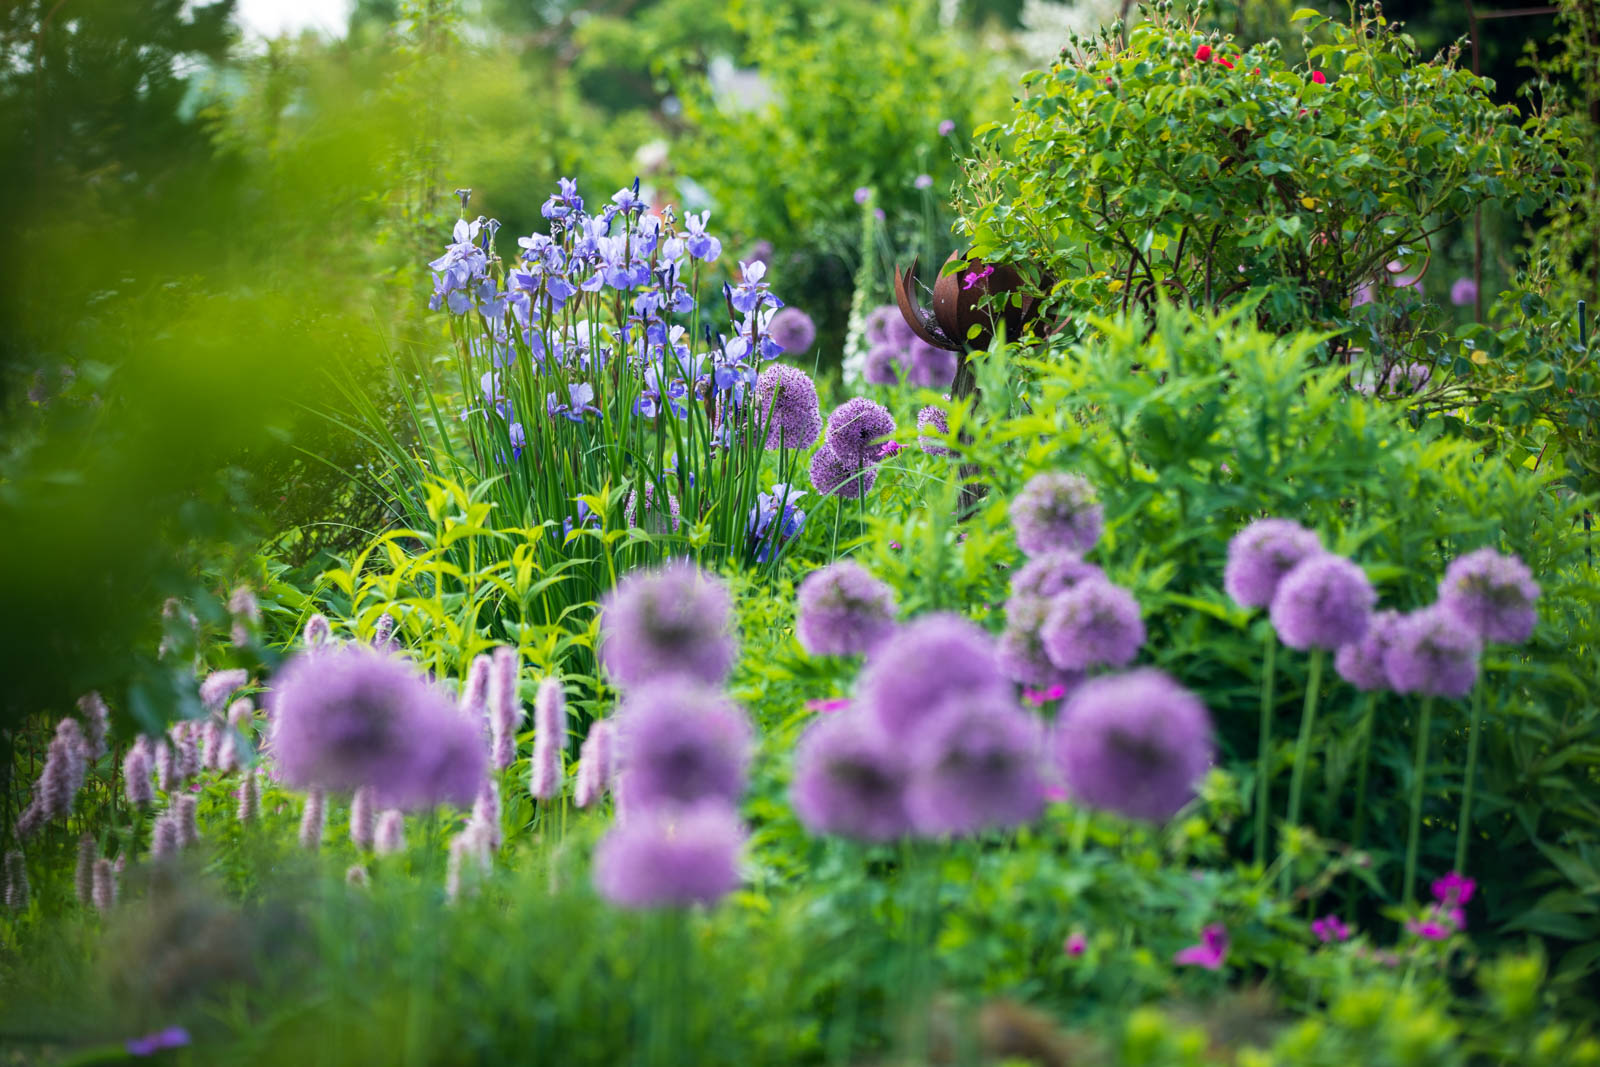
{"x":1358,"y":833}
{"x":1302,"y":745}
{"x":1474,"y":732}
{"x":1418,"y":773}
{"x":1264,"y":751}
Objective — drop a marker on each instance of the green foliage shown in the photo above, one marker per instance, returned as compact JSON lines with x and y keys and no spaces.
{"x":1133,"y":172}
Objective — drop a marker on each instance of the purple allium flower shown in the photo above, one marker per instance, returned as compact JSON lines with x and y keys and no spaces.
{"x":863,"y":194}
{"x":390,"y":836}
{"x":833,"y":476}
{"x":946,"y":127}
{"x":1051,"y":573}
{"x":654,"y":520}
{"x":923,"y":181}
{"x":1134,"y":743}
{"x":220,"y":685}
{"x":1362,"y":663}
{"x":673,"y":621}
{"x":486,"y":813}
{"x":1493,"y":594}
{"x":671,"y":857}
{"x":976,"y":763}
{"x":1021,"y":650}
{"x":761,"y":252}
{"x":1093,"y":624}
{"x":930,"y":367}
{"x":250,"y":797}
{"x":678,"y":743}
{"x":352,"y":716}
{"x":471,"y":860}
{"x":505,"y":709}
{"x":549,"y":739}
{"x":171,"y":1037}
{"x":1463,"y":291}
{"x":876,"y":325}
{"x":924,"y":663}
{"x":1325,"y":602}
{"x":96,"y":723}
{"x":850,"y":780}
{"x":16,"y":881}
{"x":474,"y":702}
{"x":1261,"y":554}
{"x":793,"y":330}
{"x":166,"y":837}
{"x":312,"y":820}
{"x":856,"y":428}
{"x":136,"y":775}
{"x":1404,"y":379}
{"x":1056,"y":511}
{"x":786,"y":398}
{"x":363,"y":817}
{"x":842,"y":610}
{"x":318,"y":631}
{"x":595,"y":764}
{"x":1209,"y":953}
{"x":932,"y":420}
{"x":883,"y":365}
{"x":103,"y":890}
{"x":1330,"y":928}
{"x":83,"y":877}
{"x":1076,"y":944}
{"x":1434,"y":653}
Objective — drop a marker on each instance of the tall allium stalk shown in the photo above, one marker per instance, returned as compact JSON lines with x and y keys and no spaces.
{"x":312,"y":819}
{"x":16,"y":881}
{"x":84,"y":880}
{"x":549,"y":739}
{"x":505,"y":709}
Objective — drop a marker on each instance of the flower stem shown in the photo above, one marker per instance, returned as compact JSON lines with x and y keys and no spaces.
{"x":1474,"y":731}
{"x":1302,"y":747}
{"x":1418,"y":773}
{"x":1362,"y":773}
{"x":1263,"y":752}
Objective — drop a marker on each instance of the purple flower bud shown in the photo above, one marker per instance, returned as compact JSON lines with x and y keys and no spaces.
{"x":470,"y":860}
{"x":1021,"y":650}
{"x":363,"y":814}
{"x":211,"y":745}
{"x":976,"y":763}
{"x":246,"y":612}
{"x":83,"y":881}
{"x":549,"y":739}
{"x":383,"y":633}
{"x":312,"y":819}
{"x":1261,"y":554}
{"x":1494,"y":595}
{"x":947,"y":127}
{"x":842,"y":610}
{"x":863,"y":194}
{"x":104,"y":885}
{"x":923,"y":181}
{"x":1324,"y":602}
{"x":166,"y":766}
{"x":391,"y":835}
{"x":1463,"y":292}
{"x":931,"y":368}
{"x":1056,"y":511}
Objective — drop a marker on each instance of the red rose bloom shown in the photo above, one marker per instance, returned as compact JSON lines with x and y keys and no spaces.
{"x":1203,"y":53}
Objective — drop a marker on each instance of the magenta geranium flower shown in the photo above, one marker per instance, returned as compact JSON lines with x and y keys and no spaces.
{"x":1209,"y":953}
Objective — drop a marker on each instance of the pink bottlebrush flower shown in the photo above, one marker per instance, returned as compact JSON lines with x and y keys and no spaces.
{"x":318,"y":631}
{"x":165,"y":837}
{"x":188,"y":810}
{"x":246,"y":612}
{"x":96,"y":723}
{"x":475,"y":690}
{"x":83,"y":882}
{"x":1211,"y":951}
{"x":136,"y":782}
{"x":363,"y":818}
{"x":16,"y":881}
{"x":505,"y":709}
{"x":356,"y":876}
{"x":470,"y":859}
{"x":1076,"y":944}
{"x":186,"y":750}
{"x":30,"y":820}
{"x":312,"y":820}
{"x":220,"y":685}
{"x":486,"y":813}
{"x":391,"y":835}
{"x":549,"y":739}
{"x":104,"y":889}
{"x":383,"y":633}
{"x":250,"y":798}
{"x":211,"y":745}
{"x":947,"y":127}
{"x":166,"y":766}
{"x":121,"y":865}
{"x":595,"y":764}
{"x":1330,"y":928}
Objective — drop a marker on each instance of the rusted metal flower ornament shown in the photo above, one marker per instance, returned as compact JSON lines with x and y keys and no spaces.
{"x":963,"y":317}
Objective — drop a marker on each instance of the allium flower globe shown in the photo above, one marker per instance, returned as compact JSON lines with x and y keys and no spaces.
{"x":1021,"y":650}
{"x":856,"y":429}
{"x":1051,"y":573}
{"x":1362,"y":663}
{"x":1493,"y":594}
{"x":670,"y":857}
{"x":654,"y":519}
{"x":1433,"y":653}
{"x":679,"y":743}
{"x":786,"y":398}
{"x":834,"y":476}
{"x":1325,"y":602}
{"x":931,"y":368}
{"x":850,"y":780}
{"x":927,"y":661}
{"x":351,"y":716}
{"x":1056,"y":511}
{"x":793,"y":330}
{"x":1135,"y":744}
{"x":1261,"y":554}
{"x":977,"y":766}
{"x":672,"y":621}
{"x":883,"y":365}
{"x":1093,"y":624}
{"x":842,"y":610}
{"x":930,"y":421}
